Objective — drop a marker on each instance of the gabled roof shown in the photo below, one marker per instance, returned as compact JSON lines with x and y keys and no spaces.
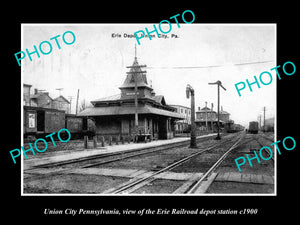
{"x":61,"y":97}
{"x":159,"y":99}
{"x":39,"y":94}
{"x":108,"y":98}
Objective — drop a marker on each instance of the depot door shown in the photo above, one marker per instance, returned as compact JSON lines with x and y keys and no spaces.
{"x":162,"y":128}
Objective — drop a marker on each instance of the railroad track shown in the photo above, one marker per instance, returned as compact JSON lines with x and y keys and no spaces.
{"x":176,"y":171}
{"x":113,"y":157}
{"x":66,"y":166}
{"x":261,"y":145}
{"x":198,"y":185}
{"x":268,"y":138}
{"x":83,"y":162}
{"x":137,"y":182}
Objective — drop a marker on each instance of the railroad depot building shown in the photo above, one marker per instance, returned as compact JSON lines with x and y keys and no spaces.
{"x":115,"y":115}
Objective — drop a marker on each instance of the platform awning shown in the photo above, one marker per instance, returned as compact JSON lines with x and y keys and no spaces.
{"x":127,"y":110}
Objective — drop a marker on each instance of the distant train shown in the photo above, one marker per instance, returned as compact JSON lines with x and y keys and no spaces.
{"x":253,"y":127}
{"x":231,"y":127}
{"x":39,"y":122}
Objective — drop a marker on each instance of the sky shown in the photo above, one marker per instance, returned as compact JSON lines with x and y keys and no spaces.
{"x":201,"y":53}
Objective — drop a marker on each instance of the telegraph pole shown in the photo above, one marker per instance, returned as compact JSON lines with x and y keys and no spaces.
{"x":134,"y":73}
{"x":70,"y":97}
{"x":206,"y":116}
{"x":189,"y":90}
{"x":219,"y":83}
{"x":264,"y":119}
{"x":136,"y":116}
{"x":77,"y":101}
{"x":211,"y":117}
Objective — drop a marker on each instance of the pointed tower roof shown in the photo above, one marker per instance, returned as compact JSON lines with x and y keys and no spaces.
{"x":135,"y":70}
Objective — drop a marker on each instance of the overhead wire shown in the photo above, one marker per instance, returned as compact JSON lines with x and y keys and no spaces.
{"x":213,"y":66}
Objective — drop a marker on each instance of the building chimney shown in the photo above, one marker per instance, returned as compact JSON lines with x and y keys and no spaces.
{"x":221,"y":108}
{"x":35,"y":91}
{"x":198,"y":108}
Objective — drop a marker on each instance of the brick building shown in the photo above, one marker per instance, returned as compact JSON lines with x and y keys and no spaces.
{"x":224,"y":116}
{"x":207,"y":119}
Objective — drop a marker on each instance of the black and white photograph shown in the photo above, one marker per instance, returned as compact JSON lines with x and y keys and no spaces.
{"x":191,"y":112}
{"x":139,"y":111}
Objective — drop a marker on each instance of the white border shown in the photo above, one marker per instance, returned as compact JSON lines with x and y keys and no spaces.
{"x":137,"y":195}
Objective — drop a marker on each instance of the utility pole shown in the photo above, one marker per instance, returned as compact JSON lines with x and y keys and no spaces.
{"x":134,"y":73}
{"x":219,"y":83}
{"x":136,"y":116}
{"x":70,"y":98}
{"x":211,"y":117}
{"x":206,"y":116}
{"x":260,"y":122}
{"x":77,"y":101}
{"x":264,"y":119}
{"x":189,"y":90}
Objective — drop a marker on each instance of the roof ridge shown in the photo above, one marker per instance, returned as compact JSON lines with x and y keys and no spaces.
{"x":108,"y":98}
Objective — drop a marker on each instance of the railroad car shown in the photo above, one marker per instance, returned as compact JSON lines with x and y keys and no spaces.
{"x":239,"y":127}
{"x":88,"y":127}
{"x":231,"y":127}
{"x":39,"y":122}
{"x":74,"y":125}
{"x":253,"y":127}
{"x":29,"y":121}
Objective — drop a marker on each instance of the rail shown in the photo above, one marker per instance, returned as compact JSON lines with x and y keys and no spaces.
{"x":116,"y":155}
{"x":261,"y":145}
{"x":197,"y":185}
{"x":129,"y":186}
